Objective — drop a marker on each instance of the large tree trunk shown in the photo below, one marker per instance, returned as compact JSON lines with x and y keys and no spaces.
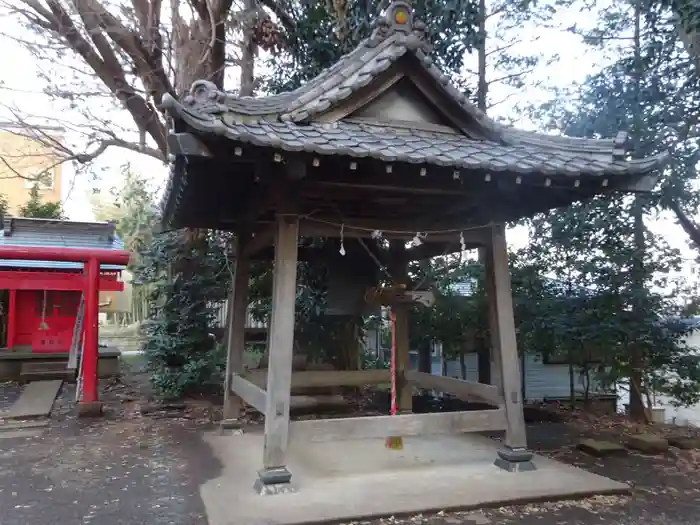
{"x":199,"y":45}
{"x":688,"y":21}
{"x":483,"y":346}
{"x":483,"y":85}
{"x":636,"y":353}
{"x":248,"y":50}
{"x":347,"y":340}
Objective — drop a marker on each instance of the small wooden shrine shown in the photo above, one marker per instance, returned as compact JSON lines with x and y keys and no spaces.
{"x":51,"y":272}
{"x":381,"y":145}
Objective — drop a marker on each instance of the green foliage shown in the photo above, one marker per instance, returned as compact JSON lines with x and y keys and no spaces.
{"x":36,"y":208}
{"x":322,"y":35}
{"x":369,"y":361}
{"x":188,"y":274}
{"x":662,"y":84}
{"x":454,"y":318}
{"x":185,"y":275}
{"x":609,"y":316}
{"x":620,"y":317}
{"x":132,"y":207}
{"x":459,"y":317}
{"x":4,"y":205}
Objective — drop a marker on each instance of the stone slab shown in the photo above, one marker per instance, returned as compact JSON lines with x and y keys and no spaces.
{"x":11,"y":426}
{"x":648,"y":443}
{"x":684,"y":443}
{"x":598,"y":448}
{"x":361,"y":479}
{"x":17,"y":434}
{"x":22,"y":429}
{"x":36,"y":400}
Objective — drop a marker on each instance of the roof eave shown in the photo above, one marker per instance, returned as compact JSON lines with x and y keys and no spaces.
{"x":640,"y":184}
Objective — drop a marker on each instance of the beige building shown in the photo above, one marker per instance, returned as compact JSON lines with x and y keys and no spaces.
{"x":24,"y":162}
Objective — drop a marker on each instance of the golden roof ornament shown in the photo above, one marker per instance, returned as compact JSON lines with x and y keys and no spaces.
{"x":398,"y":18}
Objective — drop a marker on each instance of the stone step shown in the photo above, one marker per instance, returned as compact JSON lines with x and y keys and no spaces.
{"x":684,"y":443}
{"x":33,"y":370}
{"x":648,"y":443}
{"x":600,"y":448}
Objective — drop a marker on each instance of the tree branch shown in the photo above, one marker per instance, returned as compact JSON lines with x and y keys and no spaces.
{"x":86,"y":157}
{"x":689,"y":227}
{"x":507,"y":78}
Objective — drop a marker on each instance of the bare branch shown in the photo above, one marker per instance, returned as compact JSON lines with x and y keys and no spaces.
{"x":511,"y":76}
{"x":116,"y":56}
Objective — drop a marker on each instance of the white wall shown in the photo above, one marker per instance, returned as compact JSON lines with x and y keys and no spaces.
{"x":541,"y":381}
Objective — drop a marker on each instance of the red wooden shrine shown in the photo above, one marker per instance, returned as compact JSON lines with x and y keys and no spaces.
{"x":43,"y":304}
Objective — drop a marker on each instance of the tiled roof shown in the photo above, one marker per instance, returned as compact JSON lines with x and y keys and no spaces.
{"x":21,"y":231}
{"x":290,"y":121}
{"x":357,"y":138}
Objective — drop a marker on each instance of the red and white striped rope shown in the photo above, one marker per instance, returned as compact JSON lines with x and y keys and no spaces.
{"x":392,"y":317}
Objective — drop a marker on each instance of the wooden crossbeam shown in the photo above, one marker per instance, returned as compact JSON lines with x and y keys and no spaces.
{"x":401,"y":425}
{"x":326,"y":378}
{"x":398,"y":294}
{"x":465,"y":390}
{"x":249,"y":392}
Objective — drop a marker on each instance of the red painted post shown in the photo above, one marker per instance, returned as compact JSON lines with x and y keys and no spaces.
{"x":90,"y":348}
{"x":12,"y":319}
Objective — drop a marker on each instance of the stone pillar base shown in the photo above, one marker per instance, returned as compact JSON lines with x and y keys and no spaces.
{"x":89,"y":409}
{"x":231,"y":427}
{"x":515,"y":460}
{"x":274,"y":481}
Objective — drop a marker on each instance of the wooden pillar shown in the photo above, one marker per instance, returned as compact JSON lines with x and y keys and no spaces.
{"x":404,"y":392}
{"x":486,"y":256}
{"x":274,"y":476}
{"x":514,"y":456}
{"x":11,"y":319}
{"x":89,"y":403}
{"x":399,"y":271}
{"x":235,"y":329}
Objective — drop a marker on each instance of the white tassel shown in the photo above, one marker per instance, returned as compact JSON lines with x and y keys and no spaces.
{"x":342,"y":245}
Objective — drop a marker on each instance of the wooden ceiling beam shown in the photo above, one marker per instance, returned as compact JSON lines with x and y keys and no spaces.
{"x":388,"y":188}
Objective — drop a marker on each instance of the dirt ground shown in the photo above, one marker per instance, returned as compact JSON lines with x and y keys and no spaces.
{"x":144,"y":463}
{"x":126,"y":468}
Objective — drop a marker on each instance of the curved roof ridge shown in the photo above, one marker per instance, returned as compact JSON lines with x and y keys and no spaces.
{"x":308,"y":99}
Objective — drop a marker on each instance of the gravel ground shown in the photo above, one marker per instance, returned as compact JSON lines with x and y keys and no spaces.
{"x":126,"y":468}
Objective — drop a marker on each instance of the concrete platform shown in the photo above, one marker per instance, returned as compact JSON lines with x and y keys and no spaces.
{"x":359,"y":479}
